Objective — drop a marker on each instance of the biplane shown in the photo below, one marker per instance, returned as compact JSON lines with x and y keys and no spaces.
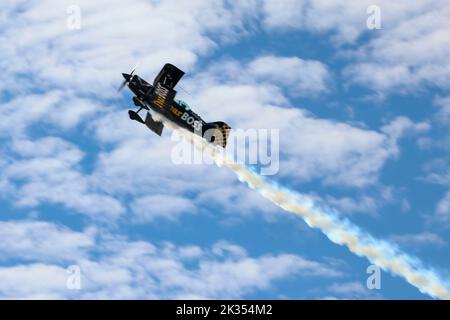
{"x":158,"y":100}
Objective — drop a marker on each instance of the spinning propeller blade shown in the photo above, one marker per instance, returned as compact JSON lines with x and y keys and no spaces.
{"x":127,"y":78}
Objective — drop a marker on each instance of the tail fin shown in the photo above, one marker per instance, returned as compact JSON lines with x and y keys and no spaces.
{"x":217,"y":133}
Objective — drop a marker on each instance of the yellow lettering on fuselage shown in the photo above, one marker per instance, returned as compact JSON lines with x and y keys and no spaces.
{"x":175,"y":111}
{"x":159,"y":101}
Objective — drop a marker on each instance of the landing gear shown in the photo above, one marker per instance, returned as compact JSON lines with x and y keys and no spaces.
{"x":135,"y":116}
{"x":156,"y":126}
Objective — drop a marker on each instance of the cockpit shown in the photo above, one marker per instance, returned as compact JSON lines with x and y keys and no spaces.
{"x":183,"y":104}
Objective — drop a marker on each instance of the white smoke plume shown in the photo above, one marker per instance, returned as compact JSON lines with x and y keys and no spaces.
{"x":340,"y":231}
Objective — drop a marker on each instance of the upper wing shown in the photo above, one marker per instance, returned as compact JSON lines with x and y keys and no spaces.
{"x":168,"y":76}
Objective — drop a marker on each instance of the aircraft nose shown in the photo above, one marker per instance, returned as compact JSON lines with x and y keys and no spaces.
{"x":126,"y":76}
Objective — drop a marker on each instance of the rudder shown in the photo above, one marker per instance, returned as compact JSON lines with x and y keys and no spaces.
{"x":217,"y":133}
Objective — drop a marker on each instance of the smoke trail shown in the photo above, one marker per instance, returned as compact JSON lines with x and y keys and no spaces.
{"x":338,"y":230}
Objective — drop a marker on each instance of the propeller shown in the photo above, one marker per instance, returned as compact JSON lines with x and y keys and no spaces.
{"x":127,"y":78}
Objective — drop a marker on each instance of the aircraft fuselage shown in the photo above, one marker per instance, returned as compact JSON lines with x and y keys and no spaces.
{"x":160,"y":100}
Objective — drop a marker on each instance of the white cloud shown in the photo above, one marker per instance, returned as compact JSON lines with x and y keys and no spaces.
{"x":237,"y":198}
{"x":50,"y":173}
{"x":110,"y":40}
{"x":330,"y":151}
{"x":301,"y":77}
{"x":335,"y":152}
{"x":347,"y":205}
{"x":312,"y":148}
{"x":283,"y":14}
{"x":340,"y":153}
{"x":85,"y":65}
{"x":33,"y":281}
{"x":352,"y":290}
{"x":44,"y":147}
{"x":297,"y":76}
{"x":411,"y":50}
{"x":400,"y":127}
{"x":247,"y":273}
{"x":443,"y":115}
{"x":443,"y":208}
{"x":129,"y":164}
{"x":222,"y":248}
{"x":125,"y":269}
{"x":152,"y":207}
{"x":36,"y":240}
{"x":347,"y":22}
{"x":411,"y":53}
{"x":420,"y":239}
{"x":437,"y":172}
{"x":55,"y":108}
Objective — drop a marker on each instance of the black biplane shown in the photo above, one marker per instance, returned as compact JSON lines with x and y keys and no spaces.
{"x":158,"y":99}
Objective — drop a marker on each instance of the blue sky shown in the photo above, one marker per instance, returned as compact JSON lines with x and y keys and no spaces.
{"x":363,"y":119}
